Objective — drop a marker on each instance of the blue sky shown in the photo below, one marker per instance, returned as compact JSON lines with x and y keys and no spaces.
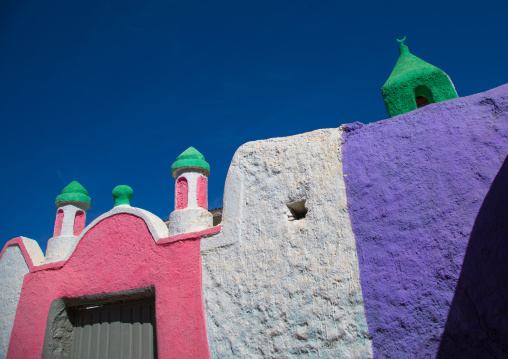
{"x":111,"y":92}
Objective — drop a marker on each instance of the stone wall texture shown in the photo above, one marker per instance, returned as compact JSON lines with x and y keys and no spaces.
{"x":285,"y":288}
{"x":427,"y":194}
{"x":13,"y":268}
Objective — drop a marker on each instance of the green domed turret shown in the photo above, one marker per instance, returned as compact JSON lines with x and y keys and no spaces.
{"x":190,"y":158}
{"x":415,"y":83}
{"x":74,"y":193}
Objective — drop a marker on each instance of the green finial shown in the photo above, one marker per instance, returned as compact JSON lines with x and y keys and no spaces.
{"x":74,"y":192}
{"x":190,"y":158}
{"x":403,"y":49}
{"x":122,"y":195}
{"x":402,"y":41}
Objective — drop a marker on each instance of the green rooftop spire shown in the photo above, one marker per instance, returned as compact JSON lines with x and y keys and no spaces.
{"x":190,"y":158}
{"x":414,"y":83}
{"x":74,"y":192}
{"x":122,"y":195}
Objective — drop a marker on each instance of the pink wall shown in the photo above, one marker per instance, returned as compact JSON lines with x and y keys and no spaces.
{"x":118,"y":254}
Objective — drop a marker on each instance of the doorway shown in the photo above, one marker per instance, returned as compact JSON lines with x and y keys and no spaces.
{"x":124,"y":330}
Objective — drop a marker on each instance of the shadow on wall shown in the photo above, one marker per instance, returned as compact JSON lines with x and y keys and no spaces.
{"x":477,"y":324}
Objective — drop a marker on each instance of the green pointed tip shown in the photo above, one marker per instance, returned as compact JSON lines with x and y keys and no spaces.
{"x":403,"y":49}
{"x":190,"y":158}
{"x":122,"y":195}
{"x":74,"y":192}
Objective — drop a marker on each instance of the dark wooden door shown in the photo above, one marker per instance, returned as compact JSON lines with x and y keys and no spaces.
{"x":115,"y":331}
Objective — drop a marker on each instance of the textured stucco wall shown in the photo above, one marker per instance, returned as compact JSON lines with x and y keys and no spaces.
{"x":13,"y":268}
{"x":285,"y":288}
{"x":416,"y":184}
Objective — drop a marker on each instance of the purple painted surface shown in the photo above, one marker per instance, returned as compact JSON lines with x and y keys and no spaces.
{"x":416,"y":184}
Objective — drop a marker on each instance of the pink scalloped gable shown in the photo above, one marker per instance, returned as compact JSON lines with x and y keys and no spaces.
{"x":119,"y":254}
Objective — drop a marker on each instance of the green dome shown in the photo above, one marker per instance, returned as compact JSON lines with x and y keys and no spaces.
{"x":74,"y":192}
{"x":122,"y":195}
{"x":412,"y":80}
{"x":190,"y":158}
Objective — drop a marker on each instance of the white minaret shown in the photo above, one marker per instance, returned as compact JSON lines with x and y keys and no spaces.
{"x":191,"y":214}
{"x":70,"y":221}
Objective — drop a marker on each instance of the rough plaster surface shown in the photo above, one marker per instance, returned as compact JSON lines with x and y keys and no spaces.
{"x":415,"y":187}
{"x":215,"y":240}
{"x":202,"y":192}
{"x":285,"y":288}
{"x":60,"y":248}
{"x":189,"y":220}
{"x":13,"y":268}
{"x":117,"y":253}
{"x":181,"y":193}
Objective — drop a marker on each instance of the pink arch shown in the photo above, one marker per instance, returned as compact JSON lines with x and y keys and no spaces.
{"x":79,"y":223}
{"x":58,"y":223}
{"x":202,"y":192}
{"x":182,"y":193}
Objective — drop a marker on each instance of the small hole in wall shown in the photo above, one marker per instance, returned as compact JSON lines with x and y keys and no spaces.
{"x":297,"y":210}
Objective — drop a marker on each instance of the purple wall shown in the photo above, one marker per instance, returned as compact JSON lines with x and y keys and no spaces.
{"x":425,"y":212}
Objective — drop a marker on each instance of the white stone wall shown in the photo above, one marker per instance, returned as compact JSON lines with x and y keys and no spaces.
{"x":285,"y":288}
{"x":13,"y":268}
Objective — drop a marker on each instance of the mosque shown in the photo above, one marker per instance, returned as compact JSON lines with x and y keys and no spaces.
{"x":385,"y":240}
